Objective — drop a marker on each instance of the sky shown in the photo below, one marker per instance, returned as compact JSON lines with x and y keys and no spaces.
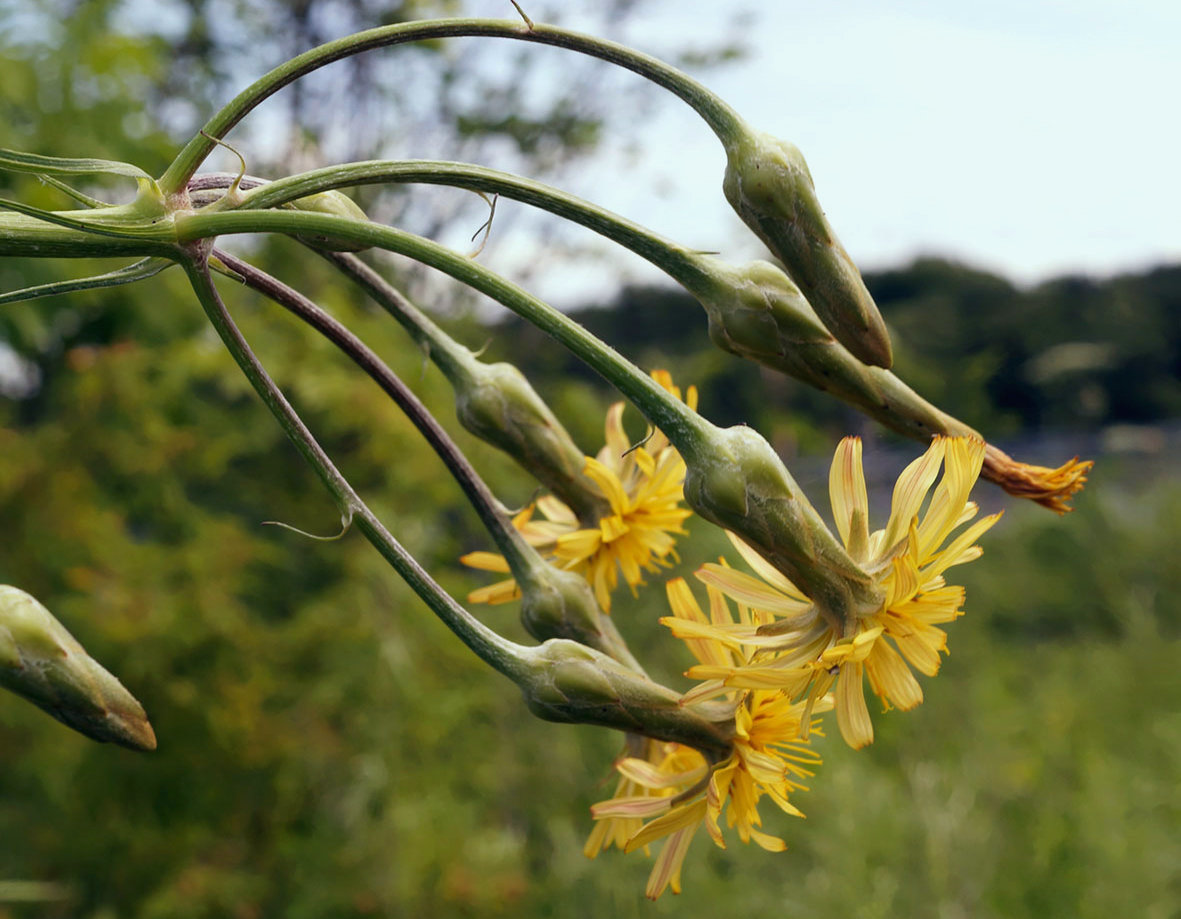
{"x":1031,"y":138}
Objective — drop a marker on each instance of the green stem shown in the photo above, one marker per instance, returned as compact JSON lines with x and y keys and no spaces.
{"x":452,"y":358}
{"x":560,"y":471}
{"x":688,"y":268}
{"x":721,"y":118}
{"x":33,"y":233}
{"x":683,"y":426}
{"x":523,"y":560}
{"x":503,"y":655}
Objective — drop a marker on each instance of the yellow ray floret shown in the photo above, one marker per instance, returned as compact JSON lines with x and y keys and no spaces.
{"x":931,"y":528}
{"x":642,"y":489}
{"x":676,"y":790}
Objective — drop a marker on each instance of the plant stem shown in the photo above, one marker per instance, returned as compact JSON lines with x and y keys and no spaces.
{"x":721,"y":118}
{"x":501,"y":654}
{"x":561,"y":680}
{"x":683,"y":265}
{"x":492,"y":513}
{"x":682,"y":425}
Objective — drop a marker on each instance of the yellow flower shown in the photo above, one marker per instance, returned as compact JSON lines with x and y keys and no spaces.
{"x":804,"y":655}
{"x":642,"y":487}
{"x":677,"y":790}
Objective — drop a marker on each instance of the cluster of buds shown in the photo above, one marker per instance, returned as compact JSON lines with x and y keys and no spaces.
{"x":817,"y":615}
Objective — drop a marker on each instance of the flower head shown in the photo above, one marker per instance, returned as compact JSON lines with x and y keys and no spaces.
{"x":804,"y":655}
{"x":676,"y":789}
{"x":642,"y":487}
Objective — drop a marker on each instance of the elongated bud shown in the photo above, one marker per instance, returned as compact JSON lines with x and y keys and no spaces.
{"x":768,"y":184}
{"x":45,"y":664}
{"x":757,"y":312}
{"x":336,"y":204}
{"x":567,"y":682}
{"x":497,"y":404}
{"x":740,"y":484}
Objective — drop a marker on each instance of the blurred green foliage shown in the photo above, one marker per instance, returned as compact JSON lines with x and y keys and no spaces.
{"x":327,"y":749}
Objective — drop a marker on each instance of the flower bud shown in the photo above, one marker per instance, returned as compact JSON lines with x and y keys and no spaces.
{"x":45,"y":664}
{"x":768,"y":184}
{"x":335,"y":204}
{"x":496,"y":403}
{"x":568,"y":682}
{"x":740,"y":484}
{"x":561,"y":604}
{"x":757,"y":312}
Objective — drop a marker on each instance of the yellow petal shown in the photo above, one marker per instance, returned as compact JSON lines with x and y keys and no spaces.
{"x":639,"y":806}
{"x":960,"y":549}
{"x":685,"y":815}
{"x":751,"y":591}
{"x":910,"y":490}
{"x":846,"y":489}
{"x":667,"y":870}
{"x":495,"y":594}
{"x":616,"y":442}
{"x":765,"y":569}
{"x":485,"y":561}
{"x":890,"y":678}
{"x":609,"y":483}
{"x":556,"y":511}
{"x":852,"y":715}
{"x":767,"y":842}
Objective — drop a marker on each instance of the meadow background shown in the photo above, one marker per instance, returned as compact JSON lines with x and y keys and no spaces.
{"x":328,"y":749}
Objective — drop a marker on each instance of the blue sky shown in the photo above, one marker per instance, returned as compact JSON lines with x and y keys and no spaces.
{"x":1031,"y":138}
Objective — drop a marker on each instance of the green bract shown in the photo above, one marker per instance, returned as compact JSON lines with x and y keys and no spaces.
{"x":338,"y":204}
{"x":768,"y":184}
{"x":497,"y":404}
{"x":568,"y":682}
{"x":741,"y":484}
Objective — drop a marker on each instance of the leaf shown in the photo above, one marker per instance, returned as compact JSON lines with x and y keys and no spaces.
{"x":84,"y":226}
{"x":137,"y":271}
{"x":17,"y":161}
{"x":72,"y":192}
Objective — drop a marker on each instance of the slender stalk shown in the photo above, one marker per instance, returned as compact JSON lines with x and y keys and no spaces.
{"x":721,"y":118}
{"x":683,"y":426}
{"x":498,"y":652}
{"x":559,"y":466}
{"x":683,"y":265}
{"x":492,"y":513}
{"x":449,"y":355}
{"x":529,"y":569}
{"x":32,"y":233}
